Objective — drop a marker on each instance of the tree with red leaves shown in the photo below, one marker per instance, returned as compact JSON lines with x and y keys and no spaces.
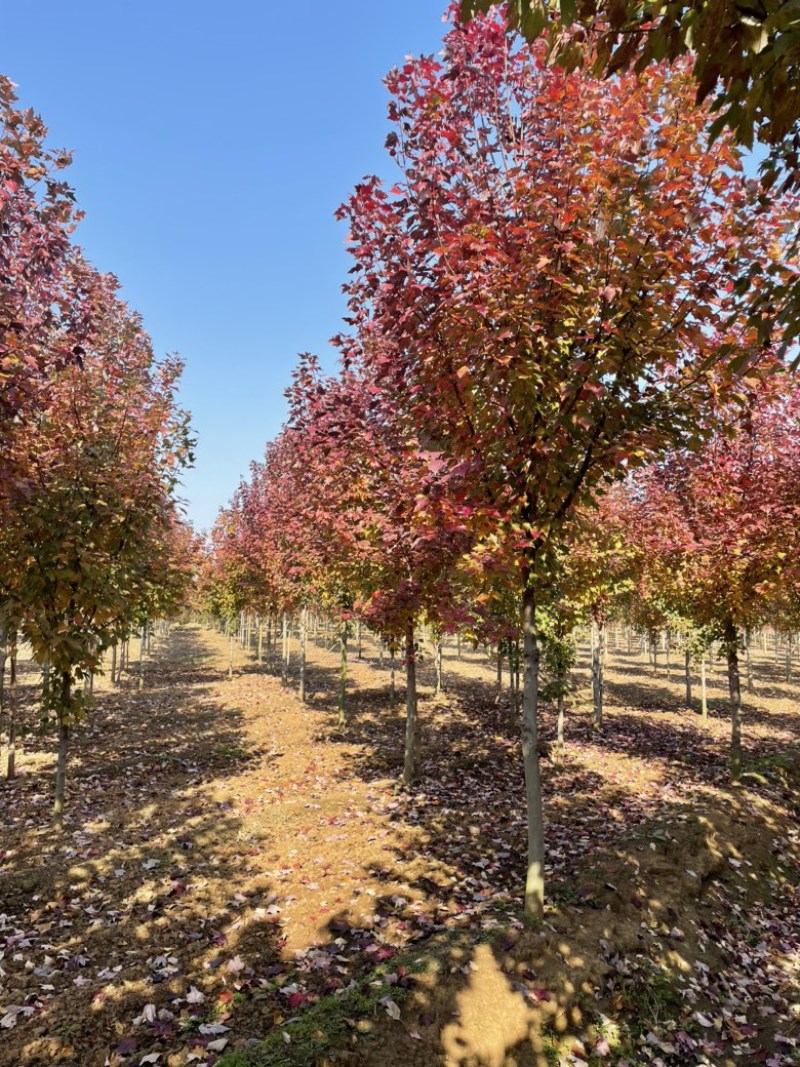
{"x":88,"y":536}
{"x":546,"y":290}
{"x":721,"y":524}
{"x":45,"y":316}
{"x":386,"y":514}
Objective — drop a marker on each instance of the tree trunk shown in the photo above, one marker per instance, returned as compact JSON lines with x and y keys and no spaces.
{"x":61,"y":761}
{"x":598,"y":641}
{"x":439,"y":686}
{"x":703,"y":691}
{"x":2,"y":678}
{"x":458,"y":647}
{"x":358,"y":639}
{"x":748,"y":660}
{"x":141,"y":657}
{"x":392,"y":667}
{"x":343,"y":671}
{"x":410,"y":761}
{"x":285,"y":657}
{"x":734,"y":686}
{"x":688,"y":666}
{"x":788,"y":658}
{"x":260,"y":640}
{"x":302,"y":685}
{"x":230,"y":654}
{"x":499,"y":670}
{"x":534,"y":882}
{"x":114,"y":664}
{"x":560,"y":728}
{"x":667,"y":648}
{"x":11,"y":754}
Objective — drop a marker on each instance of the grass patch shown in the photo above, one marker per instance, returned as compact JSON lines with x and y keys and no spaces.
{"x":349,"y":1012}
{"x":231,"y":751}
{"x":780,"y":767}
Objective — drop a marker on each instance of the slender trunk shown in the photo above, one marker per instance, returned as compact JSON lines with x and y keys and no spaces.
{"x":230,"y":653}
{"x":788,"y":658}
{"x":114,"y":664}
{"x":11,"y":754}
{"x":687,"y":656}
{"x":703,"y":690}
{"x":141,"y":657}
{"x":410,"y":761}
{"x":597,"y":673}
{"x":734,"y":686}
{"x":748,"y":661}
{"x":358,"y":639}
{"x":560,"y":728}
{"x":260,"y":640}
{"x":517,"y":665}
{"x":534,"y":882}
{"x":458,"y":647}
{"x":343,"y":634}
{"x":630,"y":641}
{"x":285,"y":657}
{"x":63,"y":738}
{"x":499,"y":669}
{"x":392,"y":666}
{"x":302,"y":686}
{"x":667,"y":649}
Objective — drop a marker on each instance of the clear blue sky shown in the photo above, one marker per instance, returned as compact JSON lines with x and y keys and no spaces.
{"x":212,"y":144}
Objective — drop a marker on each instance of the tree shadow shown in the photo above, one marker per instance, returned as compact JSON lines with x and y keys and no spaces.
{"x":195,"y":908}
{"x":135,"y":902}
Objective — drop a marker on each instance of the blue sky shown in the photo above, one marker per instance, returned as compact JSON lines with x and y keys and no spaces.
{"x":212,"y":144}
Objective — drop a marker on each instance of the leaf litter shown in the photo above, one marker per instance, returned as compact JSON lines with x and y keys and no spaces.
{"x":233,"y":860}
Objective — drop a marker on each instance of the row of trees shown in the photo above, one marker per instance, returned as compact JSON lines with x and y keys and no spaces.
{"x":541,"y":307}
{"x":92,"y":439}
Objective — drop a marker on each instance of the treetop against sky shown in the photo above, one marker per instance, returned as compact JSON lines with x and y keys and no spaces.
{"x":210,"y":154}
{"x":211,"y":151}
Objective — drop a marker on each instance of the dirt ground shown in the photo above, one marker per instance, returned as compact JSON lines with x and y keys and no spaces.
{"x":240,"y":881}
